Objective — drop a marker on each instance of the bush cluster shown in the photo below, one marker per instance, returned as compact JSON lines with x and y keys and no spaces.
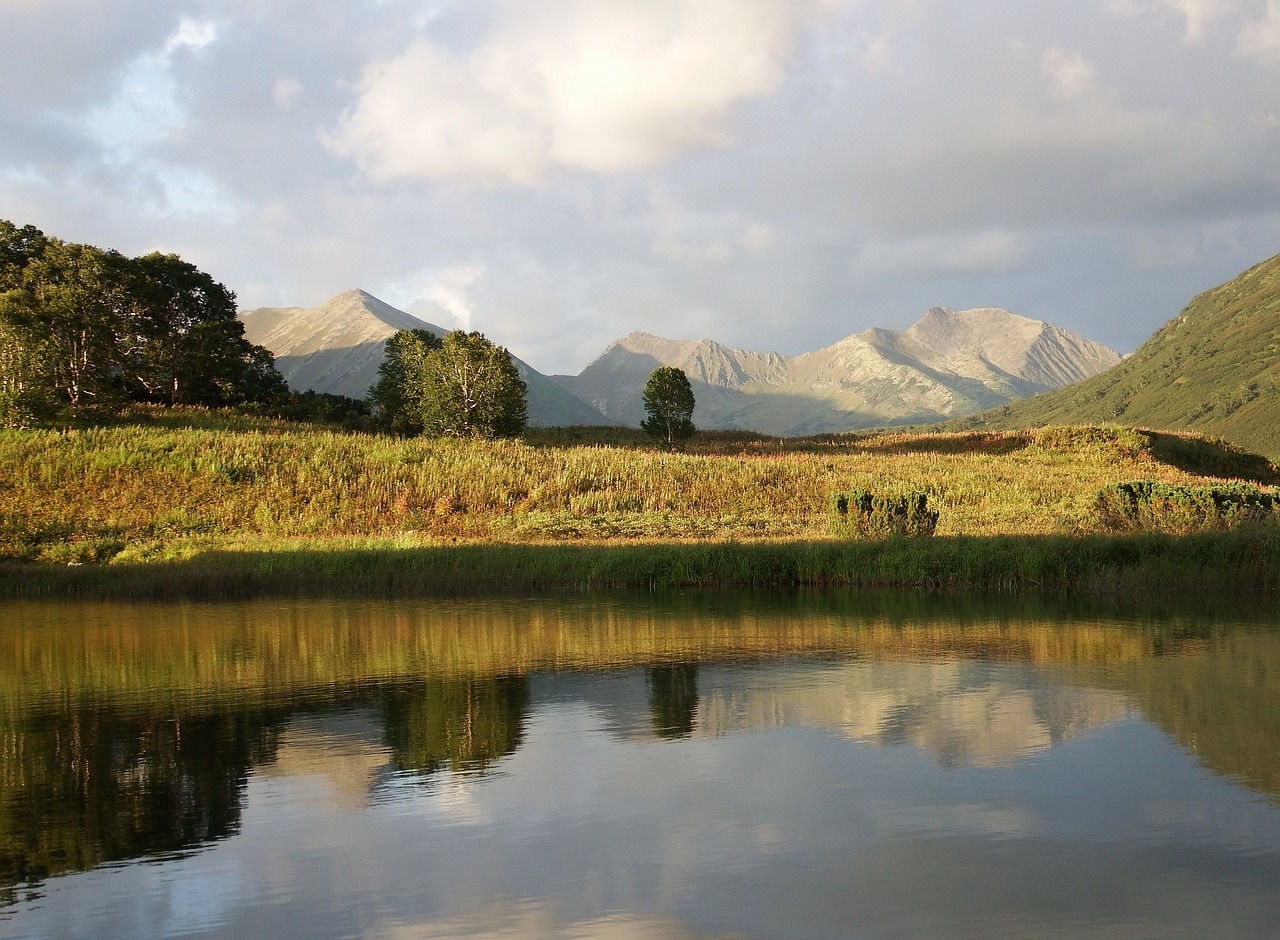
{"x":858,"y":514}
{"x":1150,"y":505}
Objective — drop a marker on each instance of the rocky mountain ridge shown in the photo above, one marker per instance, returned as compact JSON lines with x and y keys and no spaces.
{"x":948,"y":363}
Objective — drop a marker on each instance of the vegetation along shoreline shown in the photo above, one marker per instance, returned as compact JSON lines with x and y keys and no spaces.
{"x":1105,"y":567}
{"x":192,"y":503}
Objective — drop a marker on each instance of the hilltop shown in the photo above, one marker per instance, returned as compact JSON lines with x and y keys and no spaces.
{"x":948,"y":363}
{"x":1214,"y":369}
{"x":337,"y":347}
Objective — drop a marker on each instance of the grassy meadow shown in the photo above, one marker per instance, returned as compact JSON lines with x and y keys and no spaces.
{"x":201,"y":502}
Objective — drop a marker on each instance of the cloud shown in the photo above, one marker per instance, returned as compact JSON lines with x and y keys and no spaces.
{"x":1260,"y":39}
{"x":1199,"y":15}
{"x":991,"y":251}
{"x":606,"y":88}
{"x":191,"y":34}
{"x":286,"y":91}
{"x":774,"y":174}
{"x":1069,"y":73}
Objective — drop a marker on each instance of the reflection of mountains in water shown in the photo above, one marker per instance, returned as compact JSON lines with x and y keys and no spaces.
{"x":962,"y":713}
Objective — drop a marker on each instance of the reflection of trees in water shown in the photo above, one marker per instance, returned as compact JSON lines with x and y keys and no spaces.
{"x":464,"y":724}
{"x":673,"y":698}
{"x":88,"y":786}
{"x":95,"y":784}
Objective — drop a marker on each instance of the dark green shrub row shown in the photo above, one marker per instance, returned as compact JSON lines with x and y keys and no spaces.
{"x":862,"y":515}
{"x":1146,"y":504}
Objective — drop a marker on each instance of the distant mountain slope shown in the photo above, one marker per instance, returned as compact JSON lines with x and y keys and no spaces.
{"x":948,"y":363}
{"x":338,"y":346}
{"x":1214,"y":369}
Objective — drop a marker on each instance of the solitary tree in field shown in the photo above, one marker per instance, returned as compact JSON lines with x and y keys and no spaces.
{"x":668,"y":402}
{"x":459,"y":386}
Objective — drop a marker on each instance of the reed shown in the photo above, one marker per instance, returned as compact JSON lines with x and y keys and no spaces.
{"x":1148,"y":565}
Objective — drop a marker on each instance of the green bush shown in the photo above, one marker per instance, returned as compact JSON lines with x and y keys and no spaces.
{"x":862,"y":515}
{"x":1146,"y":504}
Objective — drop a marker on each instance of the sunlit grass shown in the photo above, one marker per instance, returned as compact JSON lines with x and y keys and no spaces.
{"x":151,"y":494}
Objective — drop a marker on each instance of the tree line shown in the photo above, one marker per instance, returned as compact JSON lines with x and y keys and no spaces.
{"x":86,"y":329}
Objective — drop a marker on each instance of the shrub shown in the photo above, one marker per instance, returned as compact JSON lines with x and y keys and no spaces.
{"x":862,"y":515}
{"x":1146,"y":504}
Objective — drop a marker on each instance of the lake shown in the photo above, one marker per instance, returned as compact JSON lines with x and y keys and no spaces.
{"x":702,"y":765}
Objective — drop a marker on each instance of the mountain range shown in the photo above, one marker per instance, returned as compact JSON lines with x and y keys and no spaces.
{"x":949,"y":363}
{"x":1213,"y":369}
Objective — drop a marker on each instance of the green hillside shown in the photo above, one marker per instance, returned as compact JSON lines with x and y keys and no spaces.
{"x":1214,"y":369}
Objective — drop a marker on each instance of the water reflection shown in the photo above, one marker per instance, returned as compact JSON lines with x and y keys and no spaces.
{"x":463,"y":724}
{"x":962,"y":712}
{"x":673,"y":698}
{"x":91,"y":785}
{"x":148,"y":732}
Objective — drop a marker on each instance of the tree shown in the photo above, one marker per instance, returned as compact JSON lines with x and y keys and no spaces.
{"x":81,"y":326}
{"x":459,"y":386}
{"x":400,"y":379}
{"x":186,"y":344}
{"x":69,"y":309}
{"x":668,"y":402}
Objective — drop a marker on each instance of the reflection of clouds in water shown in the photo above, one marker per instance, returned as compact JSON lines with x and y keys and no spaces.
{"x":199,"y":901}
{"x":344,"y":756}
{"x":962,"y":713}
{"x":341,"y":750}
{"x":454,"y":799}
{"x":975,"y":819}
{"x":532,"y":917}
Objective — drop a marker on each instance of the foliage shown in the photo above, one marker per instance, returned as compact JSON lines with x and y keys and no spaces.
{"x":1147,"y":504}
{"x":668,"y":404}
{"x":401,"y":383}
{"x":459,"y":386}
{"x":88,"y":329}
{"x":325,"y":408}
{"x":862,"y":515}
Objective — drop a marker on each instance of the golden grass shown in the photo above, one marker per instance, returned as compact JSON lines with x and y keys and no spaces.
{"x":136,"y":493}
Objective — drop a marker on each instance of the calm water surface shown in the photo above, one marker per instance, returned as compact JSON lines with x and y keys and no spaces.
{"x":701,"y":766}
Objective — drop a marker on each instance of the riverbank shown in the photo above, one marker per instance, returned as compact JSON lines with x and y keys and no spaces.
{"x":1242,"y":563}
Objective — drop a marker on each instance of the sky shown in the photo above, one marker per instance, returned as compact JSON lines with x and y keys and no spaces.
{"x":771,"y":174}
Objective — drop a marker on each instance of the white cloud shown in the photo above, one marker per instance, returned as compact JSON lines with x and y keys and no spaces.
{"x":1260,"y":39}
{"x":1069,"y":73}
{"x":1198,"y":15}
{"x":444,"y":290}
{"x":191,"y":34}
{"x":1004,"y":154}
{"x":606,"y":88}
{"x":286,"y":91}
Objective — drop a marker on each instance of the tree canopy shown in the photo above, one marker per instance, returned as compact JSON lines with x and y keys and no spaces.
{"x":82,"y":326}
{"x":669,"y":403}
{"x":461,"y":385}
